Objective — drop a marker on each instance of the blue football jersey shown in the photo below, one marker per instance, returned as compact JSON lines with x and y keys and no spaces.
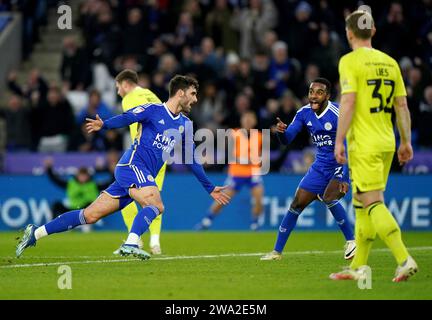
{"x":152,"y":140}
{"x":322,"y":129}
{"x":158,"y":131}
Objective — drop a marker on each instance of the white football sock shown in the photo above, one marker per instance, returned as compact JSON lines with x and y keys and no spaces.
{"x":132,"y":239}
{"x":154,"y":240}
{"x":40,"y":232}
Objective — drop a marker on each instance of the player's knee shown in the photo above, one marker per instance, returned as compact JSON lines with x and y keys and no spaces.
{"x":328,"y":198}
{"x":297,"y":206}
{"x":385,"y":230}
{"x":90,"y":216}
{"x":160,"y":207}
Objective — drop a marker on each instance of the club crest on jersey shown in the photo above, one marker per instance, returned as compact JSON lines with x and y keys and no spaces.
{"x":138,"y":110}
{"x":328,"y":126}
{"x":181,"y":129}
{"x":150,"y":178}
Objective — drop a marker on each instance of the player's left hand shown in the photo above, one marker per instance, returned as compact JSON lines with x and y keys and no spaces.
{"x":220,"y":196}
{"x":339,"y":153}
{"x":405,"y":153}
{"x":94,"y":125}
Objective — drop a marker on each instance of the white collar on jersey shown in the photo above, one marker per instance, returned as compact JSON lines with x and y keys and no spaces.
{"x":325,"y":111}
{"x":170,"y":113}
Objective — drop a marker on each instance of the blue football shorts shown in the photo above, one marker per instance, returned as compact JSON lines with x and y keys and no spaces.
{"x":129,"y":176}
{"x":237,"y":183}
{"x":318,"y":177}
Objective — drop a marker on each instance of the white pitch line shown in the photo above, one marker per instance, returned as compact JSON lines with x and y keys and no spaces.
{"x":209,"y":256}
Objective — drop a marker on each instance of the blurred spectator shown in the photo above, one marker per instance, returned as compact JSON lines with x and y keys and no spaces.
{"x":415,"y":84}
{"x":81,"y":189}
{"x":281,"y":69}
{"x":209,"y":112}
{"x":33,"y":17}
{"x":53,"y":122}
{"x":144,"y":80}
{"x":326,"y":55}
{"x":158,"y":86}
{"x":241,"y":106}
{"x":270,"y":38}
{"x":75,"y":68}
{"x":260,"y":75}
{"x":201,"y":71}
{"x":268,"y":117}
{"x":301,"y":32}
{"x":186,"y":32}
{"x":243,"y":80}
{"x":193,"y":8}
{"x":425,"y":119}
{"x":428,"y":47}
{"x":252,"y":22}
{"x":18,"y":127}
{"x":158,"y":49}
{"x":5,"y":5}
{"x":394,"y":34}
{"x":227,"y":83}
{"x":212,"y":58}
{"x":168,"y":66}
{"x":157,"y":19}
{"x":311,"y":73}
{"x":95,"y":106}
{"x":104,"y":37}
{"x":207,"y":40}
{"x":135,"y":29}
{"x":35,"y":86}
{"x":289,"y":107}
{"x":326,"y":15}
{"x":113,"y":141}
{"x":218,"y":26}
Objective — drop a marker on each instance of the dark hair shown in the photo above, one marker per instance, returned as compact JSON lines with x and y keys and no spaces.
{"x":180,"y":82}
{"x":361,"y":24}
{"x":325,"y":82}
{"x":127,"y":75}
{"x":83,"y":170}
{"x":95,"y":92}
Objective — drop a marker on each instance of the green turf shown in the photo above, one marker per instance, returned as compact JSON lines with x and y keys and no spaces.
{"x":299,"y":275}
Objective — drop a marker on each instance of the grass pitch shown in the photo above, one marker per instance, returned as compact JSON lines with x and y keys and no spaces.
{"x":205,"y":265}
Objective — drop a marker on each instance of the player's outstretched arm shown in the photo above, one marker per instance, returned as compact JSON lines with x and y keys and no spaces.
{"x":403,"y":120}
{"x":137,"y":114}
{"x":285,"y":133}
{"x":346,"y":112}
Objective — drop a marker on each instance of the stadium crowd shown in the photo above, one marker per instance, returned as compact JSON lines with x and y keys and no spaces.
{"x":255,"y":55}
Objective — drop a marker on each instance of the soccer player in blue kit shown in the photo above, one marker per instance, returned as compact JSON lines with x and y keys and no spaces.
{"x":325,"y":180}
{"x":136,"y":171}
